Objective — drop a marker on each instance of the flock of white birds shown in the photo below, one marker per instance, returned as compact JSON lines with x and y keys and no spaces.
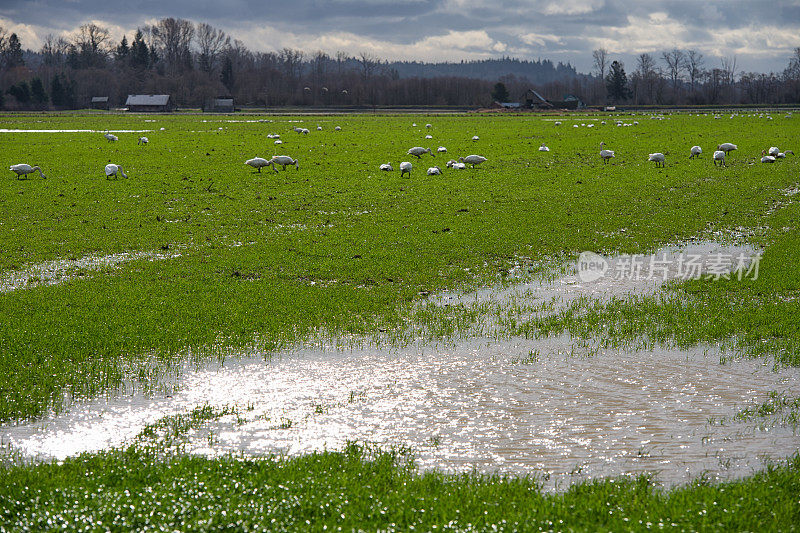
{"x":113,"y":170}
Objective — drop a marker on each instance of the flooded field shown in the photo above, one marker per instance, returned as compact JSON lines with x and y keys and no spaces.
{"x":559,"y":409}
{"x":552,"y":408}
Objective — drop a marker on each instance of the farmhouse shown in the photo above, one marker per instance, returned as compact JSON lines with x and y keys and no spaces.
{"x":534,"y":100}
{"x":149,"y":103}
{"x":99,"y":102}
{"x":220,"y":105}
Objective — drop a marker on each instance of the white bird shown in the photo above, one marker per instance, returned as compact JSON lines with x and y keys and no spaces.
{"x":657,"y":157}
{"x":780,"y":155}
{"x":451,"y":163}
{"x":405,"y":166}
{"x":387,"y":167}
{"x":429,"y":136}
{"x":112,"y":169}
{"x":278,"y":141}
{"x":472,"y":160}
{"x":337,"y":128}
{"x":258,"y":163}
{"x":428,"y":125}
{"x":475,"y":138}
{"x":768,"y":159}
{"x":111,"y":137}
{"x":695,"y":151}
{"x":544,"y":148}
{"x":606,"y":155}
{"x":319,"y":128}
{"x":418,"y":151}
{"x":557,"y":123}
{"x":719,"y":155}
{"x":23,"y":169}
{"x":459,"y":166}
{"x":434,"y":171}
{"x":304,"y":131}
{"x":284,"y":161}
{"x":773,"y":151}
{"x":727,"y":147}
{"x":143,"y":140}
{"x":442,"y":150}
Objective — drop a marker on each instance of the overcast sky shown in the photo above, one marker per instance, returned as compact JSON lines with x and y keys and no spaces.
{"x":760,"y":34}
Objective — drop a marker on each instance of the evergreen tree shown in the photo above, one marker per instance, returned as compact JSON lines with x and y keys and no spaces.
{"x":500,"y":93}
{"x":122,"y":51}
{"x":226,"y":76}
{"x":139,"y":53}
{"x":21,"y":91}
{"x":617,"y":83}
{"x":13,"y":52}
{"x":57,"y":91}
{"x":62,"y":92}
{"x":38,"y":94}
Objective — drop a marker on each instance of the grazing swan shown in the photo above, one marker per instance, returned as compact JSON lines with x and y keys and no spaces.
{"x":143,"y":140}
{"x":284,"y":161}
{"x":719,"y":155}
{"x":405,"y":167}
{"x":544,"y":148}
{"x":442,"y":150}
{"x":773,"y":151}
{"x":111,"y":138}
{"x":658,"y":157}
{"x":472,"y":160}
{"x":695,"y":151}
{"x":434,"y":171}
{"x":768,"y":159}
{"x":112,"y":169}
{"x":258,"y":163}
{"x":418,"y":151}
{"x":727,"y":147}
{"x":23,"y":170}
{"x":606,"y":155}
{"x":387,"y":167}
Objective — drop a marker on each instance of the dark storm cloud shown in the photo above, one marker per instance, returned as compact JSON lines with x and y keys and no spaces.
{"x":760,"y":34}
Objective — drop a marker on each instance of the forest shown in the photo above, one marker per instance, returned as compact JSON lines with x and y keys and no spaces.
{"x":196,"y":62}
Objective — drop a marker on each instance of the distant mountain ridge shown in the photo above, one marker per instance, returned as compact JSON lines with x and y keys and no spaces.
{"x":538,"y":71}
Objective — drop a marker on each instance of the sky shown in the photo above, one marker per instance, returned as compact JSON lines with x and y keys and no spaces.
{"x":760,"y":35}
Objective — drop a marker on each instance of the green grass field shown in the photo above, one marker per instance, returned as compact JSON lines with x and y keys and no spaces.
{"x":268,"y":259}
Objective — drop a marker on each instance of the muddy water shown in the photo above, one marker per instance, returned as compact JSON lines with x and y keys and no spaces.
{"x":566,"y":413}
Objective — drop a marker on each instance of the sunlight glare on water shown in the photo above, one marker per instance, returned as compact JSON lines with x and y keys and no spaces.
{"x":477,"y":405}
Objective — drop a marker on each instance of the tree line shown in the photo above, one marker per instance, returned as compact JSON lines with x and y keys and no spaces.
{"x":680,"y":77}
{"x":195,"y":62}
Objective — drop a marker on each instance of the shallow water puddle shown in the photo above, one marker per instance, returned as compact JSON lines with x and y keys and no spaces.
{"x":600,"y":277}
{"x":62,"y":270}
{"x":3,"y":130}
{"x":543,"y":407}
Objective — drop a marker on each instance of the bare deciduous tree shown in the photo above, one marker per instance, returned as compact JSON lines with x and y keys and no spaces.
{"x":174,"y":38}
{"x":694,"y":66}
{"x":674,"y":60}
{"x":600,"y":57}
{"x":369,"y":63}
{"x":211,"y":43}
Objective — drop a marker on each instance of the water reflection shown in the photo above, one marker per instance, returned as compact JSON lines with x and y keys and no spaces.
{"x":548,"y":407}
